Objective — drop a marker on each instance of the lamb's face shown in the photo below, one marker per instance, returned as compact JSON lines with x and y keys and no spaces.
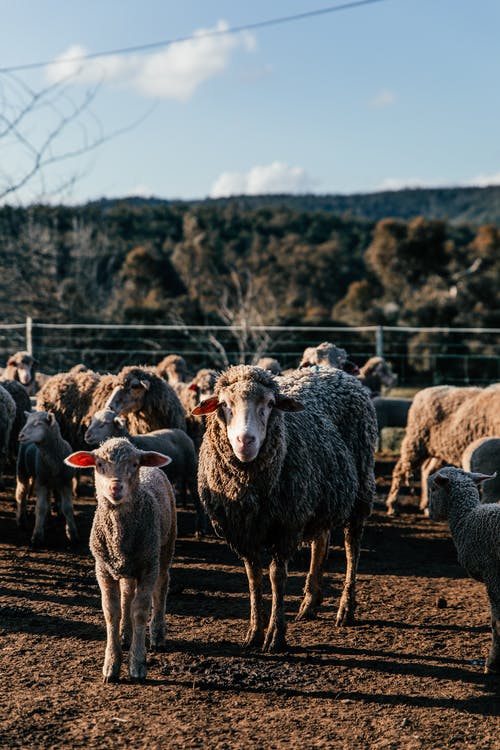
{"x":246,"y":415}
{"x":36,"y":426}
{"x":101,"y":427}
{"x":23,"y":366}
{"x":438,"y":490}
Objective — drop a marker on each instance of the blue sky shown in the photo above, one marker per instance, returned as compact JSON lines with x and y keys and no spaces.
{"x":401,"y":92}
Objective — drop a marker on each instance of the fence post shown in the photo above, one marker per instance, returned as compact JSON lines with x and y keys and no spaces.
{"x":29,"y":335}
{"x":379,"y":341}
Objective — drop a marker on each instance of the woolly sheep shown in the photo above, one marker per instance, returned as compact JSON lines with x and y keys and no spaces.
{"x":475,"y":530}
{"x":442,"y":421}
{"x":323,"y":355}
{"x":73,"y":397}
{"x":7,"y":418}
{"x":21,"y":366}
{"x":174,"y":443}
{"x":173,"y":368}
{"x":23,"y":404}
{"x":132,"y":541}
{"x":148,"y":402}
{"x":282,"y":461}
{"x":483,"y":457}
{"x":377,"y":374}
{"x":40,"y":464}
{"x":271,"y":364}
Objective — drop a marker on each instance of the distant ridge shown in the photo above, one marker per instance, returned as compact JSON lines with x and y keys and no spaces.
{"x":458,"y":205}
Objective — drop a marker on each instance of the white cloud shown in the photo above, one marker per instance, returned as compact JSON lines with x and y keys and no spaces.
{"x":174,"y":72}
{"x":402,"y":183}
{"x":277,"y":177}
{"x":383,"y":99}
{"x":483,"y":180}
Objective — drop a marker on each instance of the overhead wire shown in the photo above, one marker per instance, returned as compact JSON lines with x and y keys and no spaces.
{"x":211,"y":33}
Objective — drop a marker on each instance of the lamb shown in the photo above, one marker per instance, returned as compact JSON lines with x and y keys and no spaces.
{"x":442,"y":421}
{"x":175,"y":443}
{"x":40,"y":463}
{"x":475,"y":530}
{"x":148,"y":402}
{"x":377,"y":374}
{"x":483,"y":457}
{"x":7,"y":418}
{"x":282,"y":461}
{"x":132,"y":540}
{"x":323,"y":355}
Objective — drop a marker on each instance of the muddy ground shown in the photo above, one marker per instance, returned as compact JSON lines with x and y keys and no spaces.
{"x":409,"y":674}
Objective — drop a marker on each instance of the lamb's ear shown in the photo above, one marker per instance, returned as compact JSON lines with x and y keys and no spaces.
{"x":11,"y":362}
{"x":193,"y":387}
{"x":285,"y":403}
{"x":51,"y":417}
{"x":80,"y":458}
{"x":441,"y":480}
{"x":206,"y":407}
{"x":146,"y":384}
{"x":153,"y":458}
{"x":478,"y":478}
{"x":120,"y":422}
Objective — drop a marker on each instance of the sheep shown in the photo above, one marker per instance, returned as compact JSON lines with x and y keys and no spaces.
{"x":175,"y":443}
{"x":173,"y":368}
{"x":74,"y":397}
{"x":442,"y":421}
{"x":281,"y":462}
{"x":323,"y":355}
{"x":23,"y":405}
{"x":7,"y":419}
{"x":269,"y":363}
{"x":21,"y":366}
{"x":475,"y":530}
{"x":40,"y":463}
{"x":204,"y":382}
{"x":483,"y":457}
{"x":132,"y":541}
{"x":377,"y":374}
{"x":148,"y":402}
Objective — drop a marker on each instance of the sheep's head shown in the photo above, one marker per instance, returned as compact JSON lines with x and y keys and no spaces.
{"x":37,"y":424}
{"x":24,"y":366}
{"x":324,"y":355}
{"x":244,"y":399}
{"x":440,"y":485}
{"x":104,"y":424}
{"x":116,"y":463}
{"x":129,"y":396}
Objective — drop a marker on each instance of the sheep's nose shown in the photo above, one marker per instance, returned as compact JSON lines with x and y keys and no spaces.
{"x":116,"y":490}
{"x":245,"y":440}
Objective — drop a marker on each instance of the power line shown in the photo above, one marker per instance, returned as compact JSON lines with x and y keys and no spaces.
{"x":215,"y":32}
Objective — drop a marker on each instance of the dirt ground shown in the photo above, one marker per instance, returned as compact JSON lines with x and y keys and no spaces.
{"x":409,"y":674}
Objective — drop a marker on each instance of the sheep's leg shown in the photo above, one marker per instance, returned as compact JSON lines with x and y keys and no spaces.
{"x":429,"y":466}
{"x":22,"y":494}
{"x":157,"y":625}
{"x":492,"y":665}
{"x":110,"y":598}
{"x":255,"y":634}
{"x":42,"y":507}
{"x":276,"y":630}
{"x":127,"y":591}
{"x":353,"y":533}
{"x":140,"y":611}
{"x":66,"y":502}
{"x":314,"y":582}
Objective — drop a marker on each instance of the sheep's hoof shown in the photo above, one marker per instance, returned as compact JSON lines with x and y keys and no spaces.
{"x":275,"y":643}
{"x":488,"y":669}
{"x":36,"y":542}
{"x":392,"y":511}
{"x":110,"y":678}
{"x":254,"y":639}
{"x":345,"y":617}
{"x":308,"y":609}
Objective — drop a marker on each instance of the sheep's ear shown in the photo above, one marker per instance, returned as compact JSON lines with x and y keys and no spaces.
{"x":11,"y":363}
{"x":27,"y":413}
{"x":80,"y":458}
{"x":193,"y":387}
{"x":478,"y":478}
{"x":50,"y":417}
{"x":206,"y":407}
{"x":441,"y":480}
{"x":153,"y":458}
{"x":119,"y":422}
{"x":145,"y":384}
{"x":285,"y":403}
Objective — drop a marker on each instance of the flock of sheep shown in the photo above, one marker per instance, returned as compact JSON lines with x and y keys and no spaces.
{"x":273,"y":459}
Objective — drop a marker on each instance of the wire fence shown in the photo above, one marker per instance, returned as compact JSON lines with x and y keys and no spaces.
{"x":420,"y":356}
